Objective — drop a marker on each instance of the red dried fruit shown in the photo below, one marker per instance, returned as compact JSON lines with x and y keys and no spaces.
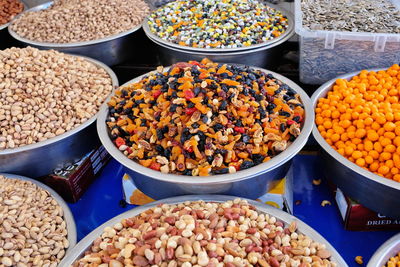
{"x":239,"y":129}
{"x":119,"y":141}
{"x":156,"y":94}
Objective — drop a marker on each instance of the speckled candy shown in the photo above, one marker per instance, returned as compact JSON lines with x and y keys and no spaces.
{"x":217,"y":24}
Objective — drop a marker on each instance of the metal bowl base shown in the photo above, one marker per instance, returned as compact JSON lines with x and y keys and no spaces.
{"x":249,"y":188}
{"x":265,"y":58}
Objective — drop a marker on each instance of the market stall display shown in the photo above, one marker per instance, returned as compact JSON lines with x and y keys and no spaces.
{"x":264,"y":235}
{"x":345,"y":36}
{"x":388,"y":255}
{"x":354,"y":115}
{"x":207,"y":139}
{"x":210,"y":123}
{"x":37,"y":226}
{"x":49,"y":101}
{"x":231,"y":31}
{"x":102,"y":30}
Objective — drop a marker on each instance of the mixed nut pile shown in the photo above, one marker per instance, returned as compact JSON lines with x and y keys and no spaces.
{"x":70,"y":21}
{"x":9,"y":9}
{"x":204,"y":118}
{"x":46,"y":93}
{"x":217,"y":24}
{"x":227,"y":234}
{"x":32,"y":229}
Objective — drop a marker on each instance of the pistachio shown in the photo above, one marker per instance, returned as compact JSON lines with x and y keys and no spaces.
{"x":51,"y":93}
{"x":27,"y":241}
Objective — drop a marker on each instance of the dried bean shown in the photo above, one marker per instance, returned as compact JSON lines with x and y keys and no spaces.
{"x":212,"y":24}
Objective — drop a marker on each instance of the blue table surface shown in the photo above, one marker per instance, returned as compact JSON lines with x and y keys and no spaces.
{"x":102,"y":202}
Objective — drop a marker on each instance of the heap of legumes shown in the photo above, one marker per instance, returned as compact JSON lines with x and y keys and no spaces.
{"x":9,"y":9}
{"x":217,"y":24}
{"x":46,"y":93}
{"x":360,"y":118}
{"x":32,"y":229}
{"x":70,"y":21}
{"x":204,"y":118}
{"x":228,"y":234}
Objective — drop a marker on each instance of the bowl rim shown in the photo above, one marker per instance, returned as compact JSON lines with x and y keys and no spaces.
{"x":222,"y":53}
{"x":60,"y":137}
{"x":270,"y":43}
{"x":65,"y":45}
{"x":67,"y":214}
{"x":382,"y":254}
{"x":5,"y":25}
{"x":321,"y":92}
{"x":302,"y":227}
{"x":241,"y":175}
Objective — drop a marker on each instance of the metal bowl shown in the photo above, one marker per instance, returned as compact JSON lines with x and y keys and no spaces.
{"x":303,"y":228}
{"x":68,"y":218}
{"x":250,"y":183}
{"x":389,"y":249}
{"x":42,"y":158}
{"x":264,"y":55}
{"x":111,"y":50}
{"x":371,"y":190}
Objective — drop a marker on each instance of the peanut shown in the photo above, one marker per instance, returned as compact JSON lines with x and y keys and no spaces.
{"x":9,"y":9}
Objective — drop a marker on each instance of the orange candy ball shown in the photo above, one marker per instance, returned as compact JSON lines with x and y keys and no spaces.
{"x":360,"y":118}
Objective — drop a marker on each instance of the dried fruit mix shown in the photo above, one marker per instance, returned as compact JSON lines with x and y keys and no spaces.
{"x":204,"y":118}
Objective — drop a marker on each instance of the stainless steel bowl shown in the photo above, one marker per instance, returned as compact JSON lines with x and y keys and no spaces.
{"x":250,"y":183}
{"x":42,"y":158}
{"x":68,"y":217}
{"x":371,"y":190}
{"x":111,"y":50}
{"x":264,"y":55}
{"x":389,"y":249}
{"x":85,"y":243}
